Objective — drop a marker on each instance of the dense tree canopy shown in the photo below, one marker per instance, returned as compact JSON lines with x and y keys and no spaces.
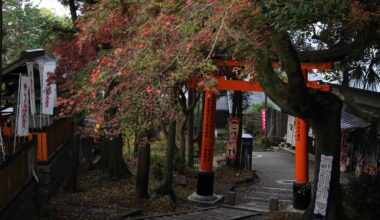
{"x":172,"y":40}
{"x":130,"y":58}
{"x":25,"y":27}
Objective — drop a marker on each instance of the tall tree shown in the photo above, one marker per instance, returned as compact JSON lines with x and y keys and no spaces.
{"x":26,"y":27}
{"x":190,"y":128}
{"x":186,"y":105}
{"x":142,"y":176}
{"x":165,"y":188}
{"x":149,"y":47}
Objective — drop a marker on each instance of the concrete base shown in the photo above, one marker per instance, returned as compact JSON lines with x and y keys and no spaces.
{"x":205,"y":184}
{"x":301,"y":195}
{"x":205,"y":200}
{"x":292,"y":209}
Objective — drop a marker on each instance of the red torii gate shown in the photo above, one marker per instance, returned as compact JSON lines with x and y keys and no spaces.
{"x":205,"y":183}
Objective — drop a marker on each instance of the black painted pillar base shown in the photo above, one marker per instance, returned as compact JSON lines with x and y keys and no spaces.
{"x":301,"y":195}
{"x":205,"y":185}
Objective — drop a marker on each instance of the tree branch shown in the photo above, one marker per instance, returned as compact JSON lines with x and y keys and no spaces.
{"x":356,"y":109}
{"x":73,"y":11}
{"x":269,"y":80}
{"x":163,"y":129}
{"x":194,"y":102}
{"x":64,"y":30}
{"x":287,"y":54}
{"x":182,"y":102}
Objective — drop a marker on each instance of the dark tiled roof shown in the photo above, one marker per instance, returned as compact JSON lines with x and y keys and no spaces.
{"x":350,"y":121}
{"x":26,"y":56}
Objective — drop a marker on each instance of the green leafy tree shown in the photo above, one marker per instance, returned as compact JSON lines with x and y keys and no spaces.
{"x":259,"y":106}
{"x":25,"y":27}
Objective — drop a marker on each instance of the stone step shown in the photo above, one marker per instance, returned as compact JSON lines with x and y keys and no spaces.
{"x":91,"y":212}
{"x":267,"y":195}
{"x":271,"y":189}
{"x":255,"y":206}
{"x":266,"y":200}
{"x":258,"y":198}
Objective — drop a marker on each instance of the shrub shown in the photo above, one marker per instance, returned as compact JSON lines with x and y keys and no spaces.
{"x":362,"y":197}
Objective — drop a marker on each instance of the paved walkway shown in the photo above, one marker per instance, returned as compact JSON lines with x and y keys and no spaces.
{"x":209,"y":213}
{"x":276,"y":172}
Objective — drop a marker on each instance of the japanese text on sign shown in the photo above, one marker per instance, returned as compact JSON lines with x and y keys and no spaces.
{"x":324,"y":177}
{"x":263,"y":119}
{"x":233,"y":133}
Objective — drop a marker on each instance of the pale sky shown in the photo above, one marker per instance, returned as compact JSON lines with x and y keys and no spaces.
{"x":53,"y":5}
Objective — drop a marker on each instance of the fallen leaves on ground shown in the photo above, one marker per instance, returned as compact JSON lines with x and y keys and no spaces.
{"x":98,"y":190}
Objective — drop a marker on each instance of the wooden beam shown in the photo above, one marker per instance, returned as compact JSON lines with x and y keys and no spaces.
{"x":253,"y":86}
{"x":238,"y":85}
{"x":275,"y":64}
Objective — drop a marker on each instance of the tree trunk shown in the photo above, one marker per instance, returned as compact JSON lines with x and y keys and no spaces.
{"x":71,"y":182}
{"x":322,"y":110}
{"x":135,"y":145}
{"x":182,"y":138}
{"x":113,"y":157}
{"x":163,"y":129}
{"x":325,"y":122}
{"x":142,"y":178}
{"x":73,"y":11}
{"x":166,"y":186}
{"x":190,"y":131}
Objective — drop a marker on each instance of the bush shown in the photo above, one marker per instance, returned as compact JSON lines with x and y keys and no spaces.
{"x":362,"y":197}
{"x":259,"y":143}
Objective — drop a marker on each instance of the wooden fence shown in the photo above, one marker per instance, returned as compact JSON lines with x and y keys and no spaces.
{"x":15,"y":173}
{"x":52,"y":138}
{"x":276,"y":123}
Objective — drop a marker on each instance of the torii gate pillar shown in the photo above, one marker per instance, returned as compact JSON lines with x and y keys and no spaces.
{"x":205,"y":185}
{"x":301,"y":188}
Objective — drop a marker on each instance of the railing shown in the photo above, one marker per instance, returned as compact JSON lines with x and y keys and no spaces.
{"x":52,"y":138}
{"x":15,"y":172}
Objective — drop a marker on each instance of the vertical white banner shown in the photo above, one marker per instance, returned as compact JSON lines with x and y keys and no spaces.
{"x":22,"y":122}
{"x":48,"y":89}
{"x":31,"y":89}
{"x":323,"y":186}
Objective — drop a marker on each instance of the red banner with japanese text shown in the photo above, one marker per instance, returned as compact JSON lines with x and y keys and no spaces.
{"x":263,"y":119}
{"x":233,"y":134}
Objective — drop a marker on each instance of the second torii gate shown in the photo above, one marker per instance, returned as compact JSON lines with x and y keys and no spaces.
{"x":205,"y":185}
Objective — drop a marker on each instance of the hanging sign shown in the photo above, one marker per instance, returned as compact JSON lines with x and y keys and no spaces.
{"x":22,"y":122}
{"x":32,"y":95}
{"x":263,"y":119}
{"x":48,"y":88}
{"x":233,"y":133}
{"x":323,"y":186}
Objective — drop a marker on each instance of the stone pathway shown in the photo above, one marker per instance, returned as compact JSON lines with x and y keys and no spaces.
{"x":257,"y":198}
{"x":210,"y":213}
{"x":276,"y":171}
